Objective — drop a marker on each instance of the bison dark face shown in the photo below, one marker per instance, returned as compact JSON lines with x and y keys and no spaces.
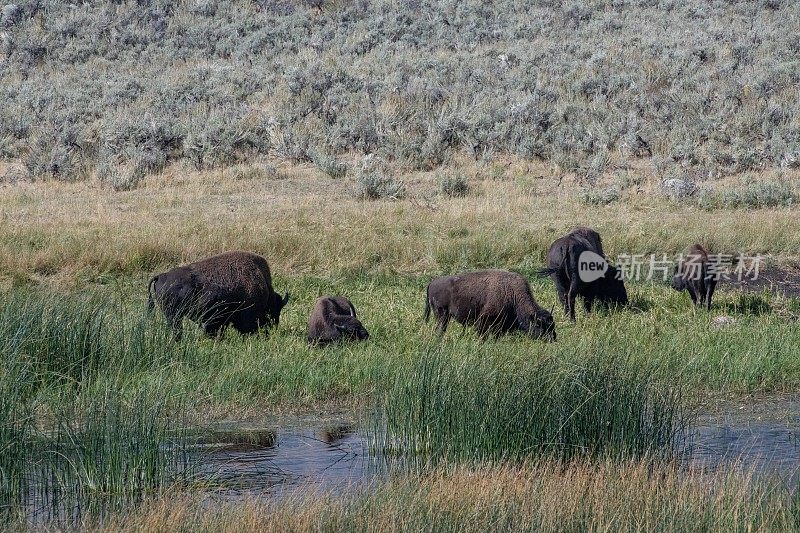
{"x":678,"y":283}
{"x":542,"y":326}
{"x":275,"y":305}
{"x":612,"y":290}
{"x":350,"y":328}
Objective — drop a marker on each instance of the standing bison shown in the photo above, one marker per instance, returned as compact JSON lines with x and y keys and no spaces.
{"x":566,"y":261}
{"x":494,"y":301}
{"x":233,"y":288}
{"x":696,"y":275}
{"x":332,"y":319}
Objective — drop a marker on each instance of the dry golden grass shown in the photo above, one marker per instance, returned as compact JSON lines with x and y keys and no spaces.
{"x":306,"y":223}
{"x":550,"y":497}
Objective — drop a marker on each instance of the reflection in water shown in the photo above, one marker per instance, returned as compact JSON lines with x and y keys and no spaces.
{"x":761,"y":435}
{"x":332,"y":458}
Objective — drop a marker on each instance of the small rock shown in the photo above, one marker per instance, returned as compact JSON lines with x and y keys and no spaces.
{"x":679,"y":188}
{"x":723,"y":321}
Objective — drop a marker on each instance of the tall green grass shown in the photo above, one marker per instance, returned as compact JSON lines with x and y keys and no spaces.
{"x":94,"y":391}
{"x":77,"y":435}
{"x":474,"y":407}
{"x":16,"y":427}
{"x":68,"y":339}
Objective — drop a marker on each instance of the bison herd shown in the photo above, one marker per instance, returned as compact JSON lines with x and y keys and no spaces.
{"x":235,"y":289}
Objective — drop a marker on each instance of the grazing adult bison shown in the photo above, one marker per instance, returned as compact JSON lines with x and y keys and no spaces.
{"x":332,"y":319}
{"x":695,"y":274}
{"x":494,"y":301}
{"x":233,"y":288}
{"x":579,"y":251}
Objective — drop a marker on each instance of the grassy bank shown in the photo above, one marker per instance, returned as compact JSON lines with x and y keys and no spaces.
{"x":543,"y":497}
{"x":311,"y":225}
{"x":79,"y":356}
{"x":104,"y":337}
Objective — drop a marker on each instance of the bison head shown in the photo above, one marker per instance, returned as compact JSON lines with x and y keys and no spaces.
{"x":611,"y":289}
{"x":349,"y":327}
{"x":678,"y":280}
{"x":542,"y":326}
{"x":274,"y":306}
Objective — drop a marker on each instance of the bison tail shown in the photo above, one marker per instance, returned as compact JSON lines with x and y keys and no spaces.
{"x":151,"y":304}
{"x":545,"y":272}
{"x":427,"y":313}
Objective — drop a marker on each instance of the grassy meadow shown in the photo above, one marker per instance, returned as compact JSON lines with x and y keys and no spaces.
{"x":364,"y":147}
{"x":80,"y":351}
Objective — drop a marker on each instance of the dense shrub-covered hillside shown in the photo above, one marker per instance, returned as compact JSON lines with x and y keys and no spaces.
{"x":118,"y":89}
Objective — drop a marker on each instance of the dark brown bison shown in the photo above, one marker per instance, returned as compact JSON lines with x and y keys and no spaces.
{"x":233,"y":288}
{"x":332,"y":319}
{"x":578,"y":253}
{"x":494,"y":301}
{"x":696,"y":275}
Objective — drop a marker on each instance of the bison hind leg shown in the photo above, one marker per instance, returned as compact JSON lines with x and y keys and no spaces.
{"x":441,"y":323}
{"x":214,"y":327}
{"x":247,"y":328}
{"x":710,"y":286}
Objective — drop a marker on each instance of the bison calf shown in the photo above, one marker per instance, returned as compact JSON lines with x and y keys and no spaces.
{"x":564,"y":266}
{"x":695,"y":275}
{"x":332,"y":319}
{"x":233,"y":288}
{"x":495,"y":301}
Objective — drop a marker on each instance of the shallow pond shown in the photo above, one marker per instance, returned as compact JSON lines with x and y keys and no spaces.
{"x":331,"y":456}
{"x":758,"y":434}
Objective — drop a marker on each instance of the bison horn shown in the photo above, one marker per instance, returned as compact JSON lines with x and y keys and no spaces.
{"x":285,"y":299}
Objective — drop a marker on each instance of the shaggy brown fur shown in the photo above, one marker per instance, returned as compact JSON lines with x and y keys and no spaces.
{"x":233,"y":288}
{"x":694,"y":275}
{"x":563,"y":268}
{"x":494,"y":301}
{"x":334,"y":318}
{"x":591,"y":236}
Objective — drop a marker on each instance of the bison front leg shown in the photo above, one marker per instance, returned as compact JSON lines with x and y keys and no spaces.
{"x":692,"y":293}
{"x":587,"y":304}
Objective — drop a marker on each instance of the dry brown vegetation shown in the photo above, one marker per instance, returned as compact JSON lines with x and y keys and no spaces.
{"x":307,"y":223}
{"x":549,"y":497}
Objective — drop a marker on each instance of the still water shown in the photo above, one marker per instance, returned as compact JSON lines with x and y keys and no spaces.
{"x":757,"y":435}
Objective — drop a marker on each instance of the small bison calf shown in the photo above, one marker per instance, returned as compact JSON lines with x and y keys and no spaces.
{"x":496,"y":301}
{"x":332,"y":319}
{"x":696,"y":275}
